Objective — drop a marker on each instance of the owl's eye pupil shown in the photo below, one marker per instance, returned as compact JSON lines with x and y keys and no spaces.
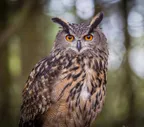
{"x":69,"y":37}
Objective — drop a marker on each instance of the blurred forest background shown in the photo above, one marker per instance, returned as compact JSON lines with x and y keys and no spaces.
{"x":27,"y":34}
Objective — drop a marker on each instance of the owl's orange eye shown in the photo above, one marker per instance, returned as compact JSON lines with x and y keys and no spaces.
{"x":69,"y":38}
{"x":88,"y":37}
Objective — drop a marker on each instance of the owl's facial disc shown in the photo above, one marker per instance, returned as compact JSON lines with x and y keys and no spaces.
{"x":78,"y":44}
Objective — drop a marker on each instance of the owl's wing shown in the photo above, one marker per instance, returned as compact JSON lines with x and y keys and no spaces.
{"x":36,"y":93}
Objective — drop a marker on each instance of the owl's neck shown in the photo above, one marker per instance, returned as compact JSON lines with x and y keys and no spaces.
{"x":96,"y":60}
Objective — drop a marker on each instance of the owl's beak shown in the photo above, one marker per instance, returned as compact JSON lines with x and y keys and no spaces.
{"x":79,"y":45}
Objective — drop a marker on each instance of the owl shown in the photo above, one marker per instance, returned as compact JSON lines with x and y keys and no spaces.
{"x":68,"y":87}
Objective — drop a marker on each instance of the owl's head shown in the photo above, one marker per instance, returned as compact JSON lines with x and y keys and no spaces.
{"x":78,"y":38}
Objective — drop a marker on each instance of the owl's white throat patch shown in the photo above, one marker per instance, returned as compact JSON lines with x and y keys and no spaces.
{"x":84,"y":93}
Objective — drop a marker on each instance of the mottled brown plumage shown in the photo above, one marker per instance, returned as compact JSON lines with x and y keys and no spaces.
{"x":67,"y":88}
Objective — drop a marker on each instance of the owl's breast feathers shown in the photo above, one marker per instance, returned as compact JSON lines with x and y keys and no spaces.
{"x":74,"y":85}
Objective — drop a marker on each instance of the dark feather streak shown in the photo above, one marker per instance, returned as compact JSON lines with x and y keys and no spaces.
{"x":96,"y":21}
{"x":62,"y":23}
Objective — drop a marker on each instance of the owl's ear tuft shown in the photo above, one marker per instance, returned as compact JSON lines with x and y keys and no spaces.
{"x":96,"y":21}
{"x":61,"y":22}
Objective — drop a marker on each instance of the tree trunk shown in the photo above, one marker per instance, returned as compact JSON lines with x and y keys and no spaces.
{"x":33,"y":41}
{"x":5,"y":80}
{"x":128,"y":84}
